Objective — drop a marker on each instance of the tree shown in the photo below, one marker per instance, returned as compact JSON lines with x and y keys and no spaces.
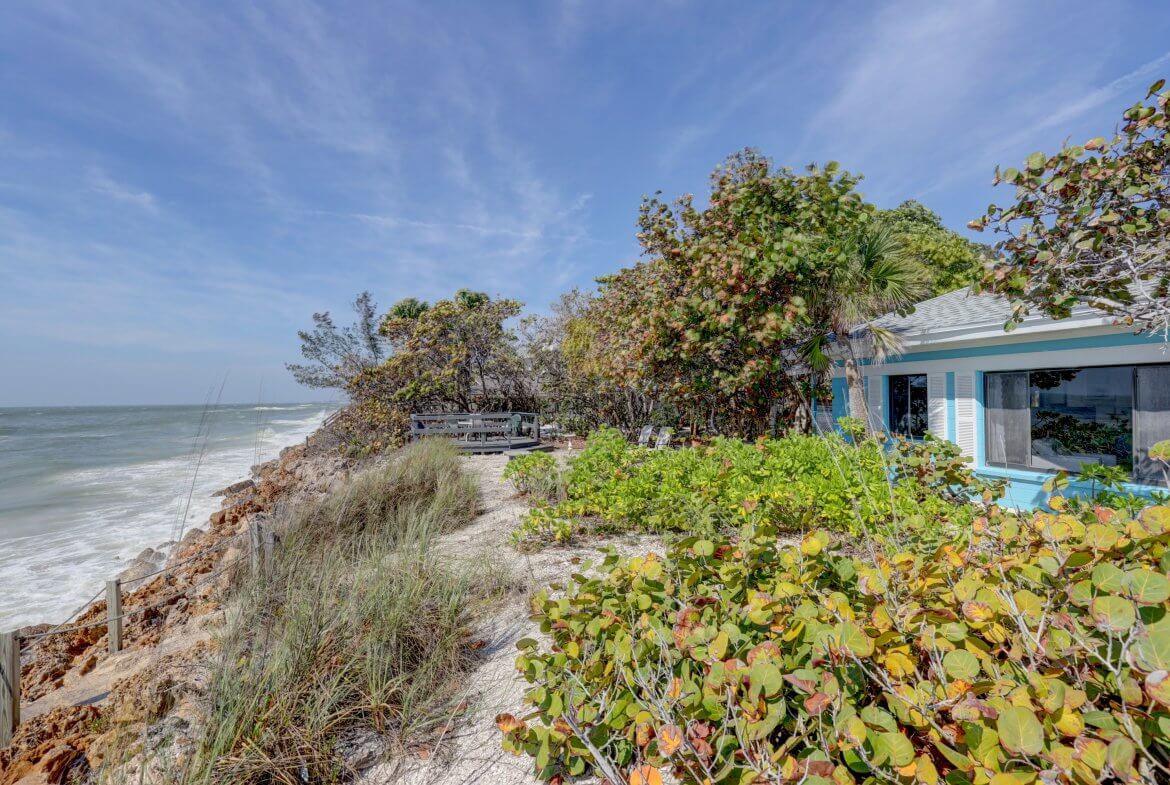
{"x":875,"y":275}
{"x":336,"y":355}
{"x":950,"y":260}
{"x":471,"y":300}
{"x":456,"y":354}
{"x":1091,"y":224}
{"x":563,"y":352}
{"x":408,"y":308}
{"x":705,"y":319}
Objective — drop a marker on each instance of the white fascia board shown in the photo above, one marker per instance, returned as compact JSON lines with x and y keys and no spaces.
{"x":994,"y":331}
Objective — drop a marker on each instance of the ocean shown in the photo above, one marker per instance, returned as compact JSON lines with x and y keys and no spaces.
{"x":83,"y":490}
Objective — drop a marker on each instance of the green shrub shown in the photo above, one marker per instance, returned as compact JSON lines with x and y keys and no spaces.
{"x":1022,"y":650}
{"x":1107,"y":487}
{"x":797,"y":482}
{"x":535,"y":474}
{"x":543,"y":526}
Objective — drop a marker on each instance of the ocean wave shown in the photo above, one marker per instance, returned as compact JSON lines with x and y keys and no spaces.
{"x":93,"y":521}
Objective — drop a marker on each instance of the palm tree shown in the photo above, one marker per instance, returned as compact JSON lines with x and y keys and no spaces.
{"x":872,"y":275}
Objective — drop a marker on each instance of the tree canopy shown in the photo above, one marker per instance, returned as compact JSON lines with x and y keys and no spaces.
{"x":705,"y":318}
{"x":337,"y":354}
{"x":949,"y":260}
{"x":727,"y":323}
{"x":1091,"y":224}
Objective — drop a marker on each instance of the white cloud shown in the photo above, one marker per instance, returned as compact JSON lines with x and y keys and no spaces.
{"x":101,"y":183}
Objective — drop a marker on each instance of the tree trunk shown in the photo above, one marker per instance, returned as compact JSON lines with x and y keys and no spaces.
{"x":857,"y":406}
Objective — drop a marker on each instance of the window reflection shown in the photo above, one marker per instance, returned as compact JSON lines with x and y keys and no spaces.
{"x":1082,"y":416}
{"x":909,"y":406}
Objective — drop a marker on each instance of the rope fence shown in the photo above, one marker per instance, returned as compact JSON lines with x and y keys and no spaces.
{"x":262,"y":542}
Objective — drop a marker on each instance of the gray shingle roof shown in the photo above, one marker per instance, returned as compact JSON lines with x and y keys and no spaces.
{"x":949,"y":311}
{"x":962,"y":309}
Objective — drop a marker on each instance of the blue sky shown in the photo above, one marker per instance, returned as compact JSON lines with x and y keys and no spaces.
{"x":182,"y":184}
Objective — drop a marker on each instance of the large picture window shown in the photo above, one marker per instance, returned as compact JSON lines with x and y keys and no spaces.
{"x":908,"y":405}
{"x":1062,"y":418}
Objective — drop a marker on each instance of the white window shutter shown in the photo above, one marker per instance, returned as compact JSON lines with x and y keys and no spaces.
{"x":936,"y":397}
{"x":965,"y":413}
{"x":877,"y":419}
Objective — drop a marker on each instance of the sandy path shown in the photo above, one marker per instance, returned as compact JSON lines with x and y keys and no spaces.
{"x":471,"y":752}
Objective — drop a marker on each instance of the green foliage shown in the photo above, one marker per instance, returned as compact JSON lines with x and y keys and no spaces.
{"x":1069,"y":435}
{"x":796,"y":482}
{"x":950,"y":260}
{"x":705,"y":319}
{"x":853,"y":427}
{"x":408,"y":308}
{"x":336,"y":354}
{"x":871,"y":275}
{"x":535,"y":474}
{"x":1091,"y":223}
{"x":543,"y":526}
{"x":1018,"y":650}
{"x":1107,"y":488}
{"x":566,"y":356}
{"x":360,"y":628}
{"x":1160,"y":452}
{"x":454,"y":355}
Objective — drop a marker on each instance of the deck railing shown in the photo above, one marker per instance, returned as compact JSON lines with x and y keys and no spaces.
{"x":478,"y":429}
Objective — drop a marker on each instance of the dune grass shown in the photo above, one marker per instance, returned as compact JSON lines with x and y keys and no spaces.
{"x":359,"y":627}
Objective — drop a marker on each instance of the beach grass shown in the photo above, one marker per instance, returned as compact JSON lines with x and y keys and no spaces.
{"x":359,"y":631}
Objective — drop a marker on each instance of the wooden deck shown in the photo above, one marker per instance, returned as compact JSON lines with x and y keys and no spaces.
{"x":481,"y":432}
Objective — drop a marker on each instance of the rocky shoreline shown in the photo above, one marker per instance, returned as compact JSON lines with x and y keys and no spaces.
{"x":80,"y":704}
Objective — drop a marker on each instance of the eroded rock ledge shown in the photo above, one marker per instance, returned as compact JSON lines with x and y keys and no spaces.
{"x":81,"y":704}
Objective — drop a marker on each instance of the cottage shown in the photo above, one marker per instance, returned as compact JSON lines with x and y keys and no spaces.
{"x":1050,"y":395}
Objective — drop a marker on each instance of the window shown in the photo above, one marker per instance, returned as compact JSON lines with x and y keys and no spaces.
{"x":908,"y":405}
{"x":1061,"y":418}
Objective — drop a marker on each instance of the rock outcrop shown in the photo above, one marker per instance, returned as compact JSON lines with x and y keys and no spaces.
{"x":146,"y":719}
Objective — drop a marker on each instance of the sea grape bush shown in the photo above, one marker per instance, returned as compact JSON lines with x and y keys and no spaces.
{"x":1024,"y":649}
{"x":795,"y":482}
{"x":543,"y":525}
{"x":535,"y":474}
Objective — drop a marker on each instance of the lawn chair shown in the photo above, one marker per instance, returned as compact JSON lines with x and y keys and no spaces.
{"x":645,"y":435}
{"x":663,"y":440}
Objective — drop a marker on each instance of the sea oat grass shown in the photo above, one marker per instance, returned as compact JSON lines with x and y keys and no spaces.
{"x":360,"y":629}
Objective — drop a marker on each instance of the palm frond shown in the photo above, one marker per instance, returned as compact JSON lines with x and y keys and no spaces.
{"x":885,"y":343}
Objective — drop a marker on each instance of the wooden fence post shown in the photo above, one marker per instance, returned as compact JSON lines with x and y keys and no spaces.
{"x":269,"y":550}
{"x":255,"y":544}
{"x":9,"y":686}
{"x":114,"y":615}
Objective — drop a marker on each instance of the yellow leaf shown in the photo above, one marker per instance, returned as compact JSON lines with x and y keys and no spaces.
{"x":508,"y":723}
{"x":926,"y":773}
{"x":645,"y":775}
{"x":899,"y":665}
{"x":1069,"y":722}
{"x":978,"y":612}
{"x":811,"y":545}
{"x":670,"y":738}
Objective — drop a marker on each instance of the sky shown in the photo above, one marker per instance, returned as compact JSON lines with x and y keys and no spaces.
{"x":183,"y":184}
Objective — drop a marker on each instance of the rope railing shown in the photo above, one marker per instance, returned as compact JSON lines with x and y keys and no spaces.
{"x":262,"y":542}
{"x":61,"y":629}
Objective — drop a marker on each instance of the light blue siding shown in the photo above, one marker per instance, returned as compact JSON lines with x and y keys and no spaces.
{"x":840,"y":400}
{"x":1025,"y":488}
